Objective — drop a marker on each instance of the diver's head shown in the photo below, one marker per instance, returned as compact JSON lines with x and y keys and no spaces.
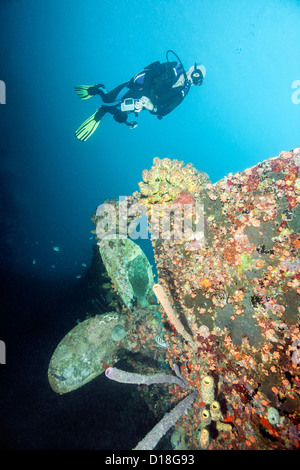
{"x":195,"y":74}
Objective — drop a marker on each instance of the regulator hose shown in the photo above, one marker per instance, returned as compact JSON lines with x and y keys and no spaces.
{"x":174,"y":53}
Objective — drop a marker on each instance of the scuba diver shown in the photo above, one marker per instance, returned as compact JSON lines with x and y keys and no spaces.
{"x":160,"y":88}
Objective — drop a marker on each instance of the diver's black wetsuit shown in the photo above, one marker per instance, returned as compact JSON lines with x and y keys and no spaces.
{"x":159,"y":87}
{"x":155,"y":82}
{"x":113,"y":99}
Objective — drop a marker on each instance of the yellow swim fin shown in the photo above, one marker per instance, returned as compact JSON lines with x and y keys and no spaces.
{"x":89,"y":126}
{"x":85,"y":92}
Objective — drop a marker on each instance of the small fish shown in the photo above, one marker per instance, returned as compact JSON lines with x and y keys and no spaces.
{"x":53,"y":266}
{"x":34,"y":261}
{"x":83,"y":265}
{"x":160,"y":341}
{"x":56,"y":248}
{"x":78,"y":276}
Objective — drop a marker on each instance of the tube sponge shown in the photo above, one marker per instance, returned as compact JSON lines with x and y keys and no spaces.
{"x":205,"y":417}
{"x":132,"y":378}
{"x":160,"y":429}
{"x":174,"y":320}
{"x":204,"y":438}
{"x":207,"y":389}
{"x":215,"y":411}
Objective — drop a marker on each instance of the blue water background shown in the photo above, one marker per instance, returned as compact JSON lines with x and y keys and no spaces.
{"x":241,"y":115}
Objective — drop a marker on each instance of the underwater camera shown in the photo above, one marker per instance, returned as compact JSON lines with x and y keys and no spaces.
{"x":127,"y":105}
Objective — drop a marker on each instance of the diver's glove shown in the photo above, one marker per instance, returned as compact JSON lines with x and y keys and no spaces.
{"x":144,"y":102}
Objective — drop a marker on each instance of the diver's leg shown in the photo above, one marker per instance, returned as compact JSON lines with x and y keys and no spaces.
{"x":114,"y":95}
{"x":120,"y":116}
{"x":85,"y":92}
